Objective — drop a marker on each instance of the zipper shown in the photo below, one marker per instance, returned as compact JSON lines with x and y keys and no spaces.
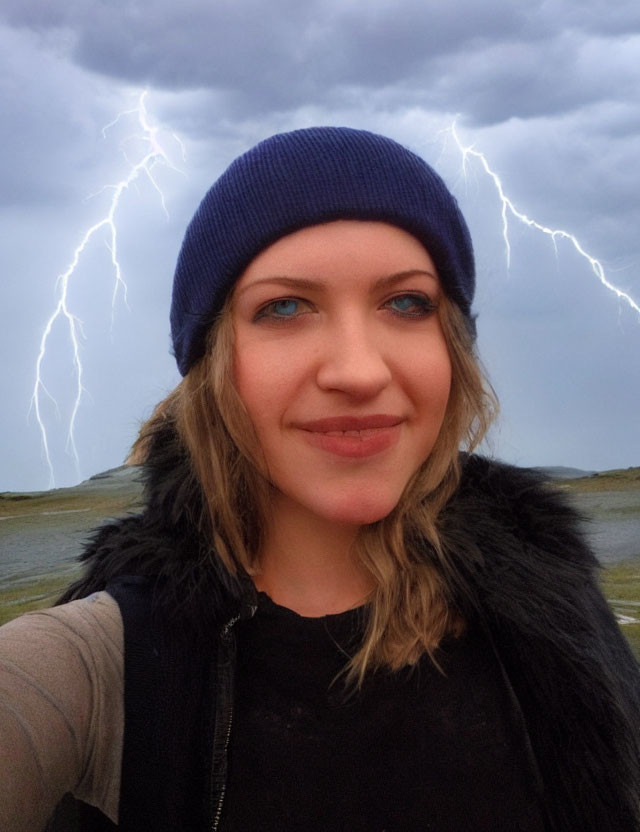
{"x":224,"y":712}
{"x":223,"y":789}
{"x":225,"y":668}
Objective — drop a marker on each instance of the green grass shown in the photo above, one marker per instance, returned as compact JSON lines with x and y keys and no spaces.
{"x":621,"y":583}
{"x":621,"y":479}
{"x":25,"y":505}
{"x":632,"y":632}
{"x":34,"y":593}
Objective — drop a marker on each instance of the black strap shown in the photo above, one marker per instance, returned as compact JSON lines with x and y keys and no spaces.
{"x":166,"y":754}
{"x":169,"y":680}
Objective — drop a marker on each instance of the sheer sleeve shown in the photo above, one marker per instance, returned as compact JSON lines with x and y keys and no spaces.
{"x":61,"y":711}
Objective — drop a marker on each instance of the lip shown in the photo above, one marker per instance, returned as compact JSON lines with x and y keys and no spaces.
{"x":342,"y":423}
{"x":355,"y":437}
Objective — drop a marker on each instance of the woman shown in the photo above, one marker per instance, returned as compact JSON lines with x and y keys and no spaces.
{"x":325,"y":617}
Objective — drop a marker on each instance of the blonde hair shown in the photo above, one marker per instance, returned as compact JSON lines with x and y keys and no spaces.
{"x":410,"y":610}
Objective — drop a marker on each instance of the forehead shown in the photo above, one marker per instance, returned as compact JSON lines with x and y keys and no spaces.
{"x":343,"y":248}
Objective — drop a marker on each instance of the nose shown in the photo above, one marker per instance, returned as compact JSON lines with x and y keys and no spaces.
{"x":352,"y":361}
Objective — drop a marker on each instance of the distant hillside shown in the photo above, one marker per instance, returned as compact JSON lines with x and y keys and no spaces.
{"x":122,"y":487}
{"x":620,"y":479}
{"x":561,"y":472}
{"x":108,"y":492}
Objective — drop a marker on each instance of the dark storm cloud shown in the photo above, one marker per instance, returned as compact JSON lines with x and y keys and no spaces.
{"x":491,"y":60}
{"x":46,"y":140}
{"x":547,"y":90}
{"x":599,"y":16}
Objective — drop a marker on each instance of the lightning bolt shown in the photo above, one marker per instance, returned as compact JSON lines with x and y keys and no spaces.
{"x":509,"y":209}
{"x":153,"y":155}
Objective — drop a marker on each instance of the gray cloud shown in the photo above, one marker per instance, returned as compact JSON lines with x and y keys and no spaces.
{"x":491,"y":60}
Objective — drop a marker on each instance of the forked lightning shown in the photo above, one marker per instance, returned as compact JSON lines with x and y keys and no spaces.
{"x":508,"y":208}
{"x":154,"y":154}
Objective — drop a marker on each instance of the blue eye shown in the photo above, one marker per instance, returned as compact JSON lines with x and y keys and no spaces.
{"x":283,"y":309}
{"x":414,"y":306}
{"x":286,"y":307}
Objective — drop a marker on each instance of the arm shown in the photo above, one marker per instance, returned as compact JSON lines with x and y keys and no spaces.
{"x":61,"y":709}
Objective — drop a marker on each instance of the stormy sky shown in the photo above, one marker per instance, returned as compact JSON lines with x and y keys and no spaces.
{"x":548,"y":91}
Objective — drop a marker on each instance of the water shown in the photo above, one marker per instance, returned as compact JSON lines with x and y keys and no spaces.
{"x":42,"y":543}
{"x":613,"y":525}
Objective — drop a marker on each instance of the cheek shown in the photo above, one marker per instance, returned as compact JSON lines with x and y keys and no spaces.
{"x":445,"y":383}
{"x":431,"y":379}
{"x":264,"y":385}
{"x":249,"y":382}
{"x":432,"y":406}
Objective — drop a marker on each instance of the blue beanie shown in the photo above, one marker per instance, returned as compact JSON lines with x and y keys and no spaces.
{"x":294,"y":180}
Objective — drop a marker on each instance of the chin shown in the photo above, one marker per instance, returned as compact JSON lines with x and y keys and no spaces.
{"x":359,"y":512}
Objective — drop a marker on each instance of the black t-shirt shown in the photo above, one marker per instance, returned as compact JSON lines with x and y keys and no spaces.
{"x":414,"y":750}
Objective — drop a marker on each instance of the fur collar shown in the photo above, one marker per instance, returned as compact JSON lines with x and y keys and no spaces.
{"x":518,"y":568}
{"x":522,"y":571}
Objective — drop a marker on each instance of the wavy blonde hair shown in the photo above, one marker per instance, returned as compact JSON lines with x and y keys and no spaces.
{"x":410,"y":610}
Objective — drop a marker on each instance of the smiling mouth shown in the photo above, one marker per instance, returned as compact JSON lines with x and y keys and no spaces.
{"x":362,"y":435}
{"x":353,"y":437}
{"x":350,"y":424}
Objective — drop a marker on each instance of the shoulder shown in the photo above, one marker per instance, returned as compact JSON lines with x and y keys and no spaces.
{"x":522,"y":570}
{"x":516,"y":559}
{"x":498,"y":485}
{"x":63,"y":653}
{"x":79,"y":625}
{"x":61,"y":683}
{"x":518,"y":509}
{"x":514,"y":546}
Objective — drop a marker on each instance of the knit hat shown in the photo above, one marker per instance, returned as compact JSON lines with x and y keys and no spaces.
{"x":306,"y":177}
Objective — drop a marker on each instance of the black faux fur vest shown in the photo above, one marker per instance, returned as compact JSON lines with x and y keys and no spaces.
{"x":519,"y":569}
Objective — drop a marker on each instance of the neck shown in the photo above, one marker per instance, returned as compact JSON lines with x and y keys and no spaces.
{"x":307,"y":563}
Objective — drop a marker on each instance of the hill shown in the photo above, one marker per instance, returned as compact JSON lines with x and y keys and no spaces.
{"x":620,"y":479}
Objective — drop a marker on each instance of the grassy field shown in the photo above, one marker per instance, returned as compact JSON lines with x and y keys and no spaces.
{"x":621,"y":585}
{"x":45,"y":502}
{"x":621,"y":479}
{"x":33,"y":593}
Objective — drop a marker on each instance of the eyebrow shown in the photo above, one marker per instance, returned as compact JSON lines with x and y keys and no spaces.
{"x":312,"y":284}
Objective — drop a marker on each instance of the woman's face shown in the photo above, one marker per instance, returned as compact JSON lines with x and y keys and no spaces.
{"x":341,"y":362}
